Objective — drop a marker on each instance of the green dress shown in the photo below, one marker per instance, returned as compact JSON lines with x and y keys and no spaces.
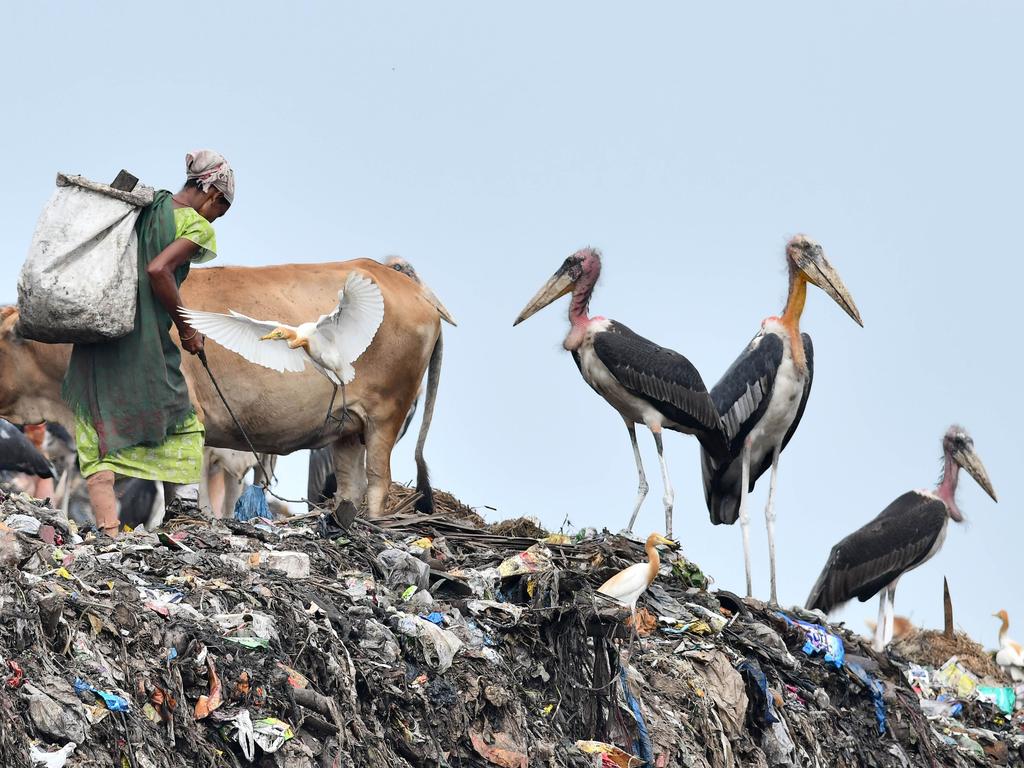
{"x":178,"y":456}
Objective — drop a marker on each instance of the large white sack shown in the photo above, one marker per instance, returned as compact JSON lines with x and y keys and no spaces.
{"x":80,"y":280}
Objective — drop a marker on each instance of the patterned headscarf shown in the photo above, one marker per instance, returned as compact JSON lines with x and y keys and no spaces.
{"x":211,"y":170}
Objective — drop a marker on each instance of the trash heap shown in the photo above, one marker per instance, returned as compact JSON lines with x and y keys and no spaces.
{"x":434,"y":641}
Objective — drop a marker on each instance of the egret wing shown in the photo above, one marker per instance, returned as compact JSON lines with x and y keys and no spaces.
{"x":349,"y":329}
{"x":242,"y":335}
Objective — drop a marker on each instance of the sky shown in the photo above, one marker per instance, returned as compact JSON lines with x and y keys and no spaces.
{"x":486,"y":142}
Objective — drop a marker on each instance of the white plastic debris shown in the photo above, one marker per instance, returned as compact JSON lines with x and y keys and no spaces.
{"x":56,"y":759}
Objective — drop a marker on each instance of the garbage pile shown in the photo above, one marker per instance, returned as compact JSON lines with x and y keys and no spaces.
{"x":432,"y":641}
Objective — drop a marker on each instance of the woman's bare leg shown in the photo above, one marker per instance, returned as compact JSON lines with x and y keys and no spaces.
{"x":103,"y":500}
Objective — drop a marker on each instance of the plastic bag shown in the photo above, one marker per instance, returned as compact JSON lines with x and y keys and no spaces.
{"x":80,"y":280}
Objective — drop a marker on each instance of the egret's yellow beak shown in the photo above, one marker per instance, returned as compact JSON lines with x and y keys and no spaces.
{"x":275,"y":335}
{"x":667,"y":542}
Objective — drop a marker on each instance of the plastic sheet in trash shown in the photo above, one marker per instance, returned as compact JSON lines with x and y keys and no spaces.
{"x":875,"y":688}
{"x":1003,"y":697}
{"x":401,"y":568}
{"x":114,"y":702}
{"x":534,"y":560}
{"x":439,"y":645}
{"x":819,"y":640}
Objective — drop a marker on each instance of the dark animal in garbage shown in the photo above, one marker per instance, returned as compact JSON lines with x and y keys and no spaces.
{"x":762,"y":396}
{"x":18,"y":454}
{"x":281,"y":413}
{"x":647,"y":384}
{"x":904,"y":535}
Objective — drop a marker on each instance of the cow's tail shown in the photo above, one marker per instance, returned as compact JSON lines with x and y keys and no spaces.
{"x":426,"y":502}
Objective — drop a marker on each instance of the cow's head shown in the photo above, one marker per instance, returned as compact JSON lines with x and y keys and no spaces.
{"x":30,"y":375}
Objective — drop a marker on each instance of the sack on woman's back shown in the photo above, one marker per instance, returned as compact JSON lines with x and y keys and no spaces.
{"x":80,"y":280}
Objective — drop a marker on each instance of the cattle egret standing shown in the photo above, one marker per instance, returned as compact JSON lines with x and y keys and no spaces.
{"x":1011,"y":654}
{"x":905,"y":534}
{"x":762,"y":397}
{"x":645,"y":383}
{"x":627,"y":585}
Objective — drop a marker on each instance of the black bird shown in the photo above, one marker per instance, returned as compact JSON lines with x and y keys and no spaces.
{"x":645,"y":383}
{"x":17,"y":454}
{"x":762,"y":397}
{"x":905,"y":534}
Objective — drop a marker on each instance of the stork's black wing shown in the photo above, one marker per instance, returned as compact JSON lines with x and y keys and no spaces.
{"x":662,"y":377}
{"x":19,"y":455}
{"x":321,"y":484}
{"x":874,"y":556}
{"x":741,"y":397}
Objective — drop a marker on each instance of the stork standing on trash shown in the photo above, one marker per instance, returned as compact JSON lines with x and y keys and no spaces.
{"x":762,"y":396}
{"x":645,"y":383}
{"x":906,"y":534}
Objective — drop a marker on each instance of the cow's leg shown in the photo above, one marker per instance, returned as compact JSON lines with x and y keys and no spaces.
{"x":216,"y":481}
{"x":267,"y":461}
{"x":233,"y":487}
{"x":350,"y":474}
{"x":380,"y":440}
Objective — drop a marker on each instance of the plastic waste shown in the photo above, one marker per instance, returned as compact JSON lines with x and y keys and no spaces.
{"x":942,"y":706}
{"x":502,"y":614}
{"x":819,"y":640}
{"x":80,"y":279}
{"x":439,"y":645}
{"x":57,"y":759}
{"x":400,"y":567}
{"x":875,"y":688}
{"x":535,"y":559}
{"x":271,"y":733}
{"x":252,"y":504}
{"x":292,"y":564}
{"x":114,"y":702}
{"x":24,"y":523}
{"x":1004,"y":698}
{"x":619,"y":758}
{"x":246,"y":737}
{"x":957,"y":677}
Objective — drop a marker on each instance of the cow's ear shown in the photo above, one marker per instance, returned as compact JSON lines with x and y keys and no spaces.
{"x":8,"y":319}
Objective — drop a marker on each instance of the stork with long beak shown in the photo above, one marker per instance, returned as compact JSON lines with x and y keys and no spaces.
{"x":645,"y":383}
{"x":907,"y":533}
{"x":762,"y":396}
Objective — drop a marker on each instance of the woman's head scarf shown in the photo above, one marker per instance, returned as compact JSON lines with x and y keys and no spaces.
{"x":210,"y":169}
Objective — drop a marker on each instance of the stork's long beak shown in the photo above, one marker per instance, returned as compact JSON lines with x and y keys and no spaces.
{"x":818,"y":271}
{"x":968,"y":459}
{"x":441,"y":309}
{"x":560,"y":284}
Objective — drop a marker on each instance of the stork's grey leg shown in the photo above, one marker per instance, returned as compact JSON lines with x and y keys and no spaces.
{"x":879,"y":642}
{"x":670,"y":495}
{"x":769,"y":520}
{"x":641,"y":492}
{"x":744,"y":517}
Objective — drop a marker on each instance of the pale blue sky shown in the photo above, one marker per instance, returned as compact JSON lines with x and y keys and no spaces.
{"x":486,"y":143}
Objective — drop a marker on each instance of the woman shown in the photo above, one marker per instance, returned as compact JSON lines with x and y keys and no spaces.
{"x":132,"y":411}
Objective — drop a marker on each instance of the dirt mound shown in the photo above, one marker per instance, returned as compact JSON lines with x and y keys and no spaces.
{"x":931,"y":648}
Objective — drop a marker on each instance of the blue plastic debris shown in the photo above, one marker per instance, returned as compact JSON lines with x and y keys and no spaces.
{"x":114,"y":702}
{"x":819,"y":640}
{"x":875,"y":688}
{"x":435,"y":617}
{"x":643,"y":744}
{"x":761,"y":698}
{"x":252,"y":503}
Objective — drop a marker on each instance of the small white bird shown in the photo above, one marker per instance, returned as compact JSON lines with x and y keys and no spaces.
{"x":332,"y":343}
{"x":1011,"y":655}
{"x":627,"y":585}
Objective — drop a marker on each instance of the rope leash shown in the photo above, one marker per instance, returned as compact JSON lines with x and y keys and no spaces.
{"x":267,"y":476}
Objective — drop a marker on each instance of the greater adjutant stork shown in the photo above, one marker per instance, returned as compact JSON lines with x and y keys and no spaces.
{"x":905,"y":534}
{"x":762,"y":396}
{"x":645,"y":383}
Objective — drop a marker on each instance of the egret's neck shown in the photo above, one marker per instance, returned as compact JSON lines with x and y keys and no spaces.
{"x":579,"y":308}
{"x":946,"y":489}
{"x":653,"y":562}
{"x":1003,"y":629}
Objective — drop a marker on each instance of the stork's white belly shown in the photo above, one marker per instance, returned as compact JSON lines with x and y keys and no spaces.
{"x":597,"y":375}
{"x":782,"y":408}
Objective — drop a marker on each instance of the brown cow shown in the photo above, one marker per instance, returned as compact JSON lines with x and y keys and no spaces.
{"x":280,"y":412}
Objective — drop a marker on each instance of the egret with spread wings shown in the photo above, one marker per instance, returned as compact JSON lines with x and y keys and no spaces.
{"x":762,"y":397}
{"x":331,"y":344}
{"x":645,"y":383}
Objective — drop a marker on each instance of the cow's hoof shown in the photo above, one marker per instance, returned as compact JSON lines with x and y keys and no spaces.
{"x":344,"y":514}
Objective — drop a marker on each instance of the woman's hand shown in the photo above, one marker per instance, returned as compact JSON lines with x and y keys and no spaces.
{"x":192,"y":340}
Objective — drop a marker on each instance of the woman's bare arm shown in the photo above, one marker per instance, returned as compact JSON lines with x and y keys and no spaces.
{"x":161,"y":280}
